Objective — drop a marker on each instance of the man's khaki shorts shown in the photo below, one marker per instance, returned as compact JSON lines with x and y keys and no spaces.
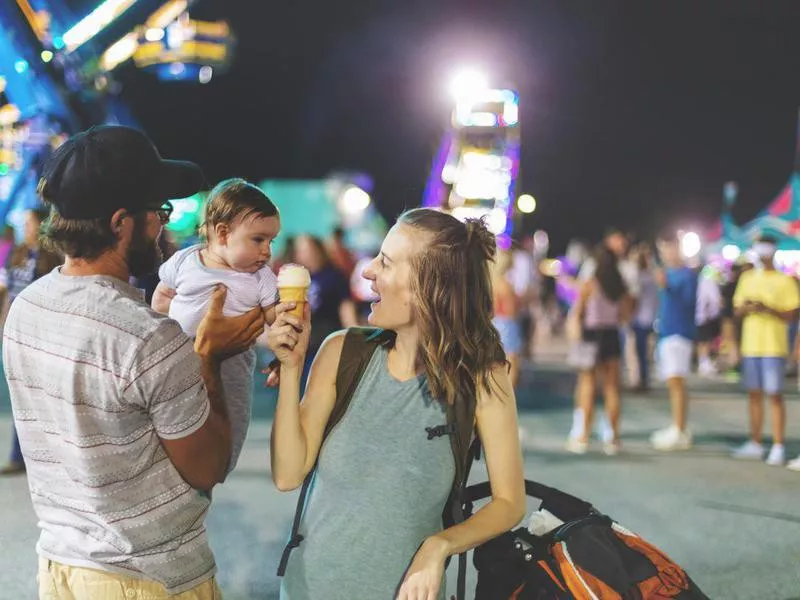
{"x":62,"y":582}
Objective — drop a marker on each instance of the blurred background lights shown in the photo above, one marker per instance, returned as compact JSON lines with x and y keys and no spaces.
{"x":690,"y":244}
{"x":526,"y":204}
{"x":205,"y":74}
{"x":731,"y":252}
{"x":154,"y":34}
{"x":467,"y":83}
{"x":354,"y":200}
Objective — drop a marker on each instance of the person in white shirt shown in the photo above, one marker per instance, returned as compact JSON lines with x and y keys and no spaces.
{"x":240,"y":224}
{"x":645,"y":314}
{"x":708,"y":318}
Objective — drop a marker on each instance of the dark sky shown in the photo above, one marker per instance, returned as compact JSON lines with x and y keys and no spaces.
{"x":633,"y":113}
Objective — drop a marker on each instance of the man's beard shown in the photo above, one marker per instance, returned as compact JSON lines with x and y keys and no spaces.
{"x":144,"y":254}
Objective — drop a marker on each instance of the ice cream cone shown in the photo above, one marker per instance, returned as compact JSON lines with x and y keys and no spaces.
{"x":293,"y":283}
{"x":297,"y":295}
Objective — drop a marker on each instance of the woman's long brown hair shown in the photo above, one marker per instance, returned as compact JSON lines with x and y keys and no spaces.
{"x":451,"y":283}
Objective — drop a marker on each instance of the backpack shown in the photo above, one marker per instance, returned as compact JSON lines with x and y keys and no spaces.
{"x":588,"y":557}
{"x":360,"y":344}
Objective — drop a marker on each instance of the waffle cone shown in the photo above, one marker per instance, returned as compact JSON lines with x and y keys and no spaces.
{"x":294,"y":294}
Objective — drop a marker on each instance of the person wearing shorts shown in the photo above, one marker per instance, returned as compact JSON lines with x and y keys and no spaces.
{"x":767,"y":300}
{"x":676,"y":330}
{"x":709,"y":322}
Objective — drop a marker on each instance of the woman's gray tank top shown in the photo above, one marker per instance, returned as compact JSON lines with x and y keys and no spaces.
{"x":379,"y":491}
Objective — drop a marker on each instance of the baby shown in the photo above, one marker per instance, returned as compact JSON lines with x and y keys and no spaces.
{"x":240,"y":224}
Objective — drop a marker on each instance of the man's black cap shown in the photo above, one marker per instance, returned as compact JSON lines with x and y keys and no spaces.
{"x":103,"y":169}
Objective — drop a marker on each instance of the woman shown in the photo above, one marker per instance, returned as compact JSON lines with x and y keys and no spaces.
{"x":506,"y":313}
{"x":602,"y":306}
{"x":26,"y":264}
{"x":372,"y":527}
{"x":328,"y":295}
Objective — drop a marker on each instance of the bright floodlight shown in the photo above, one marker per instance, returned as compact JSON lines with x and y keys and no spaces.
{"x":526,"y":204}
{"x":690,"y":244}
{"x":497,"y":221}
{"x":354,"y":200}
{"x":467,"y":84}
{"x":730,"y":252}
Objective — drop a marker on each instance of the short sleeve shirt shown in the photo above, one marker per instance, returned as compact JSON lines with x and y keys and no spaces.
{"x":194,"y":283}
{"x":766,"y":335}
{"x":96,"y":380}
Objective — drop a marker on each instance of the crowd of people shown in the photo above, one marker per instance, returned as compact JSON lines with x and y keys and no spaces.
{"x":629,"y":307}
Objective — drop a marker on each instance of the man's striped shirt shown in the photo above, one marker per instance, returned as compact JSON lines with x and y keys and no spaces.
{"x":96,"y":378}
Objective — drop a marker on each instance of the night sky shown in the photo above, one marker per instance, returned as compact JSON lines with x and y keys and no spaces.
{"x":634,"y":113}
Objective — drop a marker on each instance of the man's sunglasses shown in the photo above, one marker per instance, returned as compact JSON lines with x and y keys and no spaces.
{"x":164,"y":212}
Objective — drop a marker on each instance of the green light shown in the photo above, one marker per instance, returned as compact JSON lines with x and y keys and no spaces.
{"x":58,"y":43}
{"x":47,"y":56}
{"x":3,"y":169}
{"x":21,"y":66}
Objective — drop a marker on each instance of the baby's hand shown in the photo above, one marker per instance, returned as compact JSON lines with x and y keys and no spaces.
{"x":273,"y":373}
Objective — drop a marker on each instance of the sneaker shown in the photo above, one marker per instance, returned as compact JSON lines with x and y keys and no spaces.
{"x":612,"y":448}
{"x":706,"y":368}
{"x":750,"y":450}
{"x":671,"y":438}
{"x":603,"y":429}
{"x":794,"y":465}
{"x":777,"y":456}
{"x":576,"y":446}
{"x":577,"y":423}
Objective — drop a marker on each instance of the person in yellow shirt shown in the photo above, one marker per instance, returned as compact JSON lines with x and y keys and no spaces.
{"x":767,"y":300}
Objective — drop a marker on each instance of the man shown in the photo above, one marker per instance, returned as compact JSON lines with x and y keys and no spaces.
{"x":676,"y":331}
{"x":122,"y":424}
{"x":767,"y":301}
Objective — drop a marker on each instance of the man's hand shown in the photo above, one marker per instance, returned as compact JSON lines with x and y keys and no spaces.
{"x":220,"y":337}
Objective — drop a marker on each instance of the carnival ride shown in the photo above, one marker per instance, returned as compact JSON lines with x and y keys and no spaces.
{"x":780,"y":219}
{"x":475,"y":171}
{"x":57,"y":73}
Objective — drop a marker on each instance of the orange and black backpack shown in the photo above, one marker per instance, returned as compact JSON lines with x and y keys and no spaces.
{"x":589,"y":557}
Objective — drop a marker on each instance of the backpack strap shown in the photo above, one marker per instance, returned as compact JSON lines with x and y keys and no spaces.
{"x":460,"y":511}
{"x":359,"y":345}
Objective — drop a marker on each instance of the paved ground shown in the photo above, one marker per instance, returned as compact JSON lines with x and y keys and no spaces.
{"x":735,"y":527}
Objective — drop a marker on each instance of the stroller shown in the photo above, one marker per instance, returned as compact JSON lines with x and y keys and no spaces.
{"x":587,"y":557}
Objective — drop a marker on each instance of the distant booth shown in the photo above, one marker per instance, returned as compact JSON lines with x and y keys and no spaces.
{"x":780,"y":220}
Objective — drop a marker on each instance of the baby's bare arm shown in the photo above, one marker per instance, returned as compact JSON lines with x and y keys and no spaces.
{"x":162,"y":298}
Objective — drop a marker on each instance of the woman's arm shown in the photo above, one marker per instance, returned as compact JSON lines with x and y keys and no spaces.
{"x":298,"y":427}
{"x":162,"y":298}
{"x":496,"y":417}
{"x":627,"y":305}
{"x":497,"y":425}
